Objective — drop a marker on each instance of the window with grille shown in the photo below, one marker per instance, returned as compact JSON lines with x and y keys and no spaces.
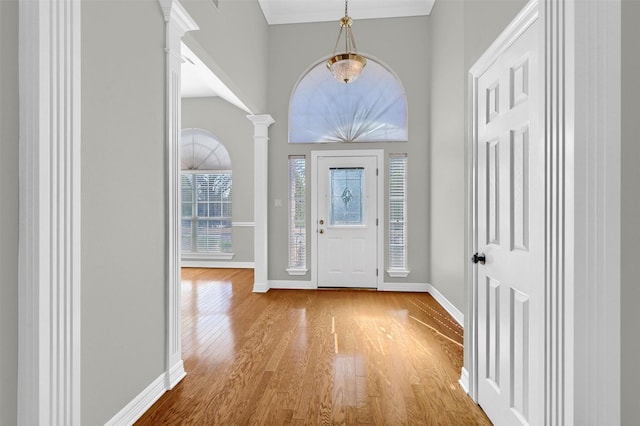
{"x":206,"y":188}
{"x":297,"y":216}
{"x":398,"y":215}
{"x":206,"y":212}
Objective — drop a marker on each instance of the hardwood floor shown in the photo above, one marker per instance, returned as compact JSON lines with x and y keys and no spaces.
{"x":302,"y":357}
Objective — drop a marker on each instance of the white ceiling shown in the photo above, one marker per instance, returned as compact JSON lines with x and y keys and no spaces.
{"x":301,"y":11}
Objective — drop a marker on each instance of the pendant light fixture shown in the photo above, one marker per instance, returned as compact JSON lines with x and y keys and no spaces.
{"x":346,"y":66}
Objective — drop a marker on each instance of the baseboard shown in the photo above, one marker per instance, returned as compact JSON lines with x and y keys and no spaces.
{"x":140,"y":404}
{"x":409,"y":287}
{"x":260,"y":287}
{"x":448,"y":306}
{"x":292,"y":285}
{"x":464,"y":380}
{"x":176,"y":374}
{"x":216,"y":264}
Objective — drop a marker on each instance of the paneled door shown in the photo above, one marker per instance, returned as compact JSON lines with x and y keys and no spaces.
{"x":510,"y":234}
{"x":346,"y":216}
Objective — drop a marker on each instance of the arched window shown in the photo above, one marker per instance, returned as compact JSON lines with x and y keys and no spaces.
{"x":371,"y":109}
{"x":206,"y":194}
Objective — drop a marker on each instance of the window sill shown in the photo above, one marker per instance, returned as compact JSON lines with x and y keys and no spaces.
{"x":205,"y":256}
{"x":398,"y":273}
{"x":297,"y":272}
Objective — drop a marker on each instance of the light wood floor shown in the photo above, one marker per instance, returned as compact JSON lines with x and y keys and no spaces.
{"x":305,"y":357}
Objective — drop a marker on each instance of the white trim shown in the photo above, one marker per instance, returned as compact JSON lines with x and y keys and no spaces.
{"x":50,"y":213}
{"x":261,"y":125}
{"x":176,"y":373}
{"x":186,"y":257}
{"x":140,"y":404}
{"x":216,"y":264}
{"x":448,"y":306}
{"x":464,"y":380}
{"x":590,"y":358}
{"x":260,"y":287}
{"x":398,"y":273}
{"x":405,"y":287}
{"x":243,"y":224}
{"x":178,"y":22}
{"x":292,"y":285}
{"x":379,"y":154}
{"x":297,"y":272}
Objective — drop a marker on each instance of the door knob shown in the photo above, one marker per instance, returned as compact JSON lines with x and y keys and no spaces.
{"x":321,"y":231}
{"x":478,"y":258}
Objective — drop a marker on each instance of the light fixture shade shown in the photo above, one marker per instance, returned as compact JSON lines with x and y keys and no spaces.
{"x":346,"y":67}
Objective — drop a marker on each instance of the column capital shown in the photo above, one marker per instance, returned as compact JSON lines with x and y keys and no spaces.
{"x":261,"y":120}
{"x":174,"y":12}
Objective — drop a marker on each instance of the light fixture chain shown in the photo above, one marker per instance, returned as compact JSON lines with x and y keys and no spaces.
{"x":335,"y":48}
{"x":346,"y":8}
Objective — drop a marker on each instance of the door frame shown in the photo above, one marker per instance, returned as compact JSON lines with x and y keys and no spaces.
{"x":580,"y":119}
{"x":379,"y":154}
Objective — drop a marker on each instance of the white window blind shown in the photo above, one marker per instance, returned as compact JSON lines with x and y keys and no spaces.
{"x":398,"y":212}
{"x":206,"y":212}
{"x":297,"y":213}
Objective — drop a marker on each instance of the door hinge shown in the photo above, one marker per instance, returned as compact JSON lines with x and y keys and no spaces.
{"x":376,"y":221}
{"x":376,"y":272}
{"x":376,"y":172}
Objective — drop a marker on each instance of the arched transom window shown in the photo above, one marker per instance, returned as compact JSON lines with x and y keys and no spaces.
{"x":371,"y":109}
{"x":206,"y":194}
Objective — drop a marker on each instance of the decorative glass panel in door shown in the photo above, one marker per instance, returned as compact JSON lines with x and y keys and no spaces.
{"x":347,"y":202}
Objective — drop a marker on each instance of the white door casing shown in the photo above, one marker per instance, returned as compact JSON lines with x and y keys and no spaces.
{"x":345,"y":218}
{"x":510,"y":232}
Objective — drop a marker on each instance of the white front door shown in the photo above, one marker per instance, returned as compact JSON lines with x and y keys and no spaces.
{"x":346,"y":217}
{"x":510,"y":234}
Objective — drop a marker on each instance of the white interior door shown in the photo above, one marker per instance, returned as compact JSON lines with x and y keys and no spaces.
{"x":510,"y":234}
{"x":346,"y":215}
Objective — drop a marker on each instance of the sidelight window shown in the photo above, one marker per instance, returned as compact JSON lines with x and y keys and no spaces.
{"x":297,"y":216}
{"x":398,"y":215}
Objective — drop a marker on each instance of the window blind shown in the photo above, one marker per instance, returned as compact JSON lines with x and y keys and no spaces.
{"x":397,"y":211}
{"x":206,"y":212}
{"x":297,"y":212}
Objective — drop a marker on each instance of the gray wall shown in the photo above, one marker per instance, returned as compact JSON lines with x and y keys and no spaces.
{"x":234,"y":36}
{"x":292,"y":50}
{"x":8,"y":211}
{"x":448,"y":131}
{"x":235,"y":131}
{"x":460,"y":32}
{"x":123,"y":203}
{"x":630,"y":212}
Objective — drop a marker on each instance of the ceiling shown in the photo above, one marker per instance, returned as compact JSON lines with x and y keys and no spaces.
{"x":302,"y":11}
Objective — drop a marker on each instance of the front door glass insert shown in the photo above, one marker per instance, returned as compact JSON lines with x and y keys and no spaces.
{"x":347,"y":202}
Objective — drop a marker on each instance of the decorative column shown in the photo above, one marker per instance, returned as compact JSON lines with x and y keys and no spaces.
{"x":49,"y":242}
{"x":178,"y":23}
{"x":261,"y":201}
